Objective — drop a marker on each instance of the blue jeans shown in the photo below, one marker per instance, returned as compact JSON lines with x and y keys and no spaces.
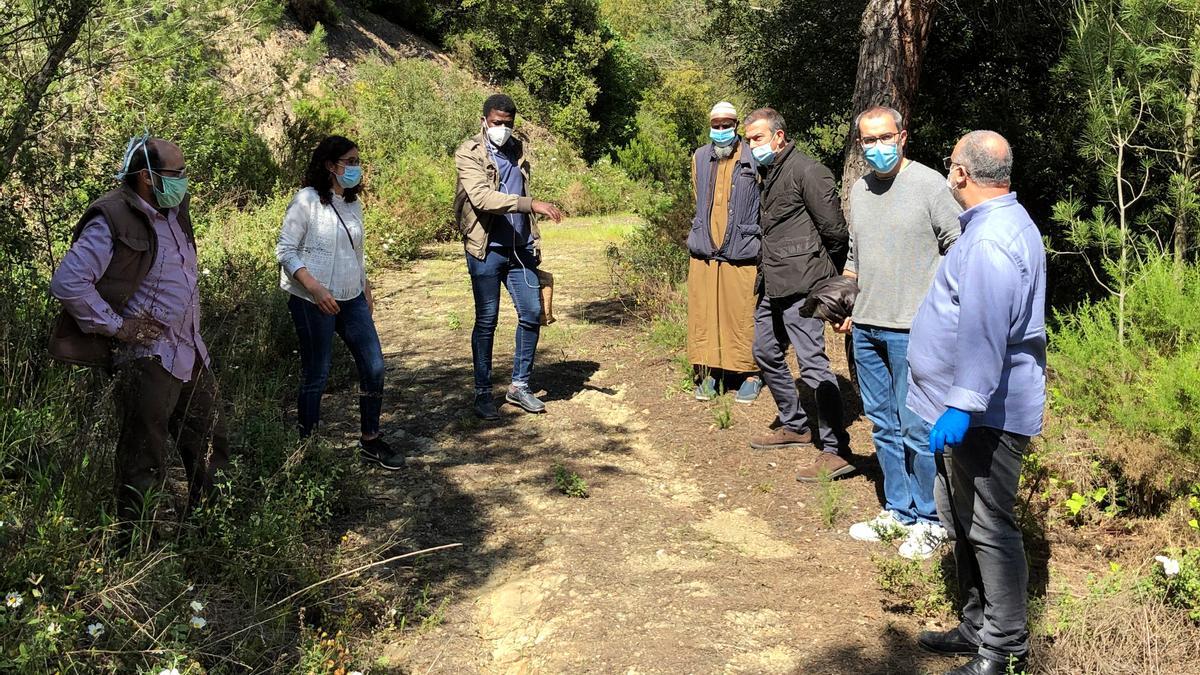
{"x":357,"y":329}
{"x":503,"y":265}
{"x":901,"y":436}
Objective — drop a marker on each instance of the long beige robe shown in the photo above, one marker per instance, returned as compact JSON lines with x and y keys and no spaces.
{"x":720,"y":295}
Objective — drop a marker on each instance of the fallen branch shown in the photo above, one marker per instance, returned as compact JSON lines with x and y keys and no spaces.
{"x":356,"y":570}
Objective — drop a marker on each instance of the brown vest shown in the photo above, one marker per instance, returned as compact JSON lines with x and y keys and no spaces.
{"x":135,"y":245}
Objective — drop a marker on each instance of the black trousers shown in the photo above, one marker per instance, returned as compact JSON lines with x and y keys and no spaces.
{"x":155,"y":406}
{"x":976,"y":497}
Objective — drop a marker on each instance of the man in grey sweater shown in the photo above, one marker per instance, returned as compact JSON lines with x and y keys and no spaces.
{"x":902,"y":220}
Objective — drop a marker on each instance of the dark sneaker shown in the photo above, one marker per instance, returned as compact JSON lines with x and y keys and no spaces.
{"x":485,"y":407}
{"x":748,"y":392}
{"x":706,"y":390}
{"x":827,"y":465}
{"x":949,"y":643}
{"x":524,"y":399}
{"x":782,"y":437}
{"x":379,"y":452}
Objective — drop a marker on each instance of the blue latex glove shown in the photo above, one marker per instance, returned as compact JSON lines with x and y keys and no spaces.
{"x":950,"y":429}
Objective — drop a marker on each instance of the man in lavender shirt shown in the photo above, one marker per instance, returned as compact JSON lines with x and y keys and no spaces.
{"x":130,"y":292}
{"x":977,"y":374}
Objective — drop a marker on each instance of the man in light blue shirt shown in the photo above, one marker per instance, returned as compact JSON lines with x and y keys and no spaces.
{"x":977,"y":365}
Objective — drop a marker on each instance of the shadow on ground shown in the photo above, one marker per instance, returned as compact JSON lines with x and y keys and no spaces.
{"x":893,"y":652}
{"x":428,"y":414}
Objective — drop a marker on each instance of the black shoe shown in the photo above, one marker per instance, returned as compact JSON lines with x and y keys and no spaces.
{"x":981,"y":665}
{"x":950,"y":643}
{"x":379,"y":452}
{"x":485,"y":407}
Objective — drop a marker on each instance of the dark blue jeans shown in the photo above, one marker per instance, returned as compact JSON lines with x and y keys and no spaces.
{"x":520,"y":277}
{"x":901,"y":436}
{"x":357,"y":329}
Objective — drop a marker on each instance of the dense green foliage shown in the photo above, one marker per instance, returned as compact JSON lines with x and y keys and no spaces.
{"x":565,"y":64}
{"x":272,"y":532}
{"x":1149,"y":384}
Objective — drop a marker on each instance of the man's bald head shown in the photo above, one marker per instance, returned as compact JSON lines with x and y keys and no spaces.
{"x":987,"y":158}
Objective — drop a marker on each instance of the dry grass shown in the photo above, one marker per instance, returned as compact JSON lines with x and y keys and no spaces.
{"x":1119,"y":634}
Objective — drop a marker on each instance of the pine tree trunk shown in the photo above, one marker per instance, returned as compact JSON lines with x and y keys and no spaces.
{"x":894,"y":36}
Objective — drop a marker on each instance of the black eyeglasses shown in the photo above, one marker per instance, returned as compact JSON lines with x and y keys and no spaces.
{"x":886,"y":139}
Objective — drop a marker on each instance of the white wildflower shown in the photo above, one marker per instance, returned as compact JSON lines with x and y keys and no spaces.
{"x":1170,"y":567}
{"x":386,"y":246}
{"x":95,"y":629}
{"x":170,"y":671}
{"x":355,"y":672}
{"x":205,"y":272}
{"x":391,"y":240}
{"x":198,"y":622}
{"x":13,"y":600}
{"x":197,"y":606}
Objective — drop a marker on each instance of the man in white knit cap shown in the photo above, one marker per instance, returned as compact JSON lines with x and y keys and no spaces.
{"x":723,"y":243}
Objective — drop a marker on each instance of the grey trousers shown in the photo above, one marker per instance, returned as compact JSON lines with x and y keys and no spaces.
{"x":976,"y":506}
{"x":777,"y":323}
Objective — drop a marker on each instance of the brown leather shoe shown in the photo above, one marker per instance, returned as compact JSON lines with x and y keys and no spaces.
{"x":781,"y":438}
{"x":827,"y":465}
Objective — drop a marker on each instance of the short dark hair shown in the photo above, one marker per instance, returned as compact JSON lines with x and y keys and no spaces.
{"x":137,"y":162}
{"x":317,"y":177}
{"x":771,"y":115}
{"x":880,"y":111}
{"x":501,"y":102}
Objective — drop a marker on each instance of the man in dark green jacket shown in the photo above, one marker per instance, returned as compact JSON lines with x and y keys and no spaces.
{"x":804,"y":242}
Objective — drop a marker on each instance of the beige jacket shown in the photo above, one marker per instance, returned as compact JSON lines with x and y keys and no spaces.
{"x":478,"y":200}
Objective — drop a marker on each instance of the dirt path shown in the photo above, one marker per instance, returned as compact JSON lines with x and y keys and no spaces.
{"x":693,"y":554}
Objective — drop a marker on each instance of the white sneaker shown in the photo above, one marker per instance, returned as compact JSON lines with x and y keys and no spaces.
{"x":924,"y":539}
{"x":882,"y":526}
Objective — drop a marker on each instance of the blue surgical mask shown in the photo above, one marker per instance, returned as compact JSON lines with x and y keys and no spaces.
{"x":350,"y":177}
{"x":722,"y":137}
{"x":763,"y":154}
{"x":882,"y":157}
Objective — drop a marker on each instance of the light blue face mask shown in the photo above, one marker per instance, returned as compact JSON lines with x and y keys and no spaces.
{"x":351,"y":177}
{"x":882,"y":157}
{"x":174,"y":188}
{"x":722,"y":137}
{"x":763,"y":154}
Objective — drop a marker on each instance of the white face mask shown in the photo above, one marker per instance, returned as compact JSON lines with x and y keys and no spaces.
{"x":499,"y":135}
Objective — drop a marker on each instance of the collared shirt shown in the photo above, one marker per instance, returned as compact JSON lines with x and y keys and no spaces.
{"x":978,"y":341}
{"x":169,"y":294}
{"x":515,"y":232}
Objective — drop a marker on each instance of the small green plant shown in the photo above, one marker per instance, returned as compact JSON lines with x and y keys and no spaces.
{"x":454,"y":321}
{"x":915,"y":586}
{"x":723,"y":413}
{"x":766,"y":487}
{"x":1176,"y":580}
{"x":429,"y":613}
{"x":569,"y":483}
{"x":668,"y":332}
{"x":829,"y":499}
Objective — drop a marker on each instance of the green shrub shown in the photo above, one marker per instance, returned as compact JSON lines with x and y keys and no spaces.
{"x":1147,"y":386}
